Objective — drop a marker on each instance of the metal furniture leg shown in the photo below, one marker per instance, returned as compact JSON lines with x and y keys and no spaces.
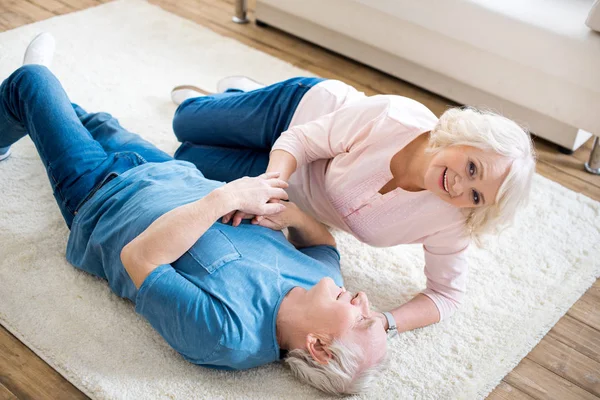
{"x":593,"y":164}
{"x":241,"y":11}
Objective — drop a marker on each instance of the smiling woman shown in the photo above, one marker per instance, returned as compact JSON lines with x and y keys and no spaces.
{"x":382,"y":168}
{"x":488,"y":157}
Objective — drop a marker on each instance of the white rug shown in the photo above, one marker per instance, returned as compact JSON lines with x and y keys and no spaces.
{"x":124,"y":57}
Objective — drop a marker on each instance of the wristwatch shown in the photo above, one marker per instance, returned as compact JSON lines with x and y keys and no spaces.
{"x":392,"y":328}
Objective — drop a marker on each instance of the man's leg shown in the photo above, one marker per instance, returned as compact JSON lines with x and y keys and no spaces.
{"x":32,"y":101}
{"x":113,"y":138}
{"x":238,"y":120}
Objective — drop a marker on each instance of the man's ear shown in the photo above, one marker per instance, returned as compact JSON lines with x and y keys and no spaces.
{"x":318,"y":347}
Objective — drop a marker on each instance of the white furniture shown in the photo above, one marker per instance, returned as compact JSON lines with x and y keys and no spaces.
{"x":532,"y":60}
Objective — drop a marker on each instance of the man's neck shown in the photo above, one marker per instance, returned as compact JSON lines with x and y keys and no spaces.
{"x":289,"y":322}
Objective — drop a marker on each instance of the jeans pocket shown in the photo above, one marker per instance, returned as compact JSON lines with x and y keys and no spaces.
{"x":91,"y":194}
{"x":120,"y":163}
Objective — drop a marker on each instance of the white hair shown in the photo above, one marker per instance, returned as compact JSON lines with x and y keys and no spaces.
{"x":342,"y":375}
{"x":491,"y":132}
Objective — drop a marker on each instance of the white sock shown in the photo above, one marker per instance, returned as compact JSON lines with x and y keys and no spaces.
{"x":40,"y":50}
{"x":238,"y":82}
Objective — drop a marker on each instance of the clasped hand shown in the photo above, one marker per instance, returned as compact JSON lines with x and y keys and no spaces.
{"x":251,"y":196}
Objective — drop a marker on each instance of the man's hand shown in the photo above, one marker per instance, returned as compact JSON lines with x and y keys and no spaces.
{"x":251,"y":195}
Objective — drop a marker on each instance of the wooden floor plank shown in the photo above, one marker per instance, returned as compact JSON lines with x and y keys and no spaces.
{"x":567,"y":180}
{"x":587,"y":308}
{"x":571,"y":164}
{"x":79,"y":4}
{"x":53,"y":6}
{"x":578,"y":336}
{"x":28,"y":376}
{"x":6,"y":394}
{"x":12,"y":20}
{"x":504,"y":391}
{"x":30,"y":10}
{"x":567,"y":363}
{"x":540,"y":383}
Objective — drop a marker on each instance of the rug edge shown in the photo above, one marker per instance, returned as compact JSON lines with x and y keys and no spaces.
{"x":62,"y":372}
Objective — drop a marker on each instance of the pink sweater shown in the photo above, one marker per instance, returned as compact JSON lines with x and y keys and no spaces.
{"x":343,"y":142}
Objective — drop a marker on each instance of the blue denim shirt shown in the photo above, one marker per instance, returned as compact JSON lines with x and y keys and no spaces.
{"x":217,"y":304}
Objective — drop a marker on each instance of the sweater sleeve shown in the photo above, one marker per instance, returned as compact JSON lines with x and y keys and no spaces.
{"x":446,"y":269}
{"x":337,"y":132}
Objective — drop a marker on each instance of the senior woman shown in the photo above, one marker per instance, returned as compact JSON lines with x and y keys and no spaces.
{"x":382,"y":168}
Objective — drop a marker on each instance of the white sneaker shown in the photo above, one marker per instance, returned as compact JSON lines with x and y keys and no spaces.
{"x":179,"y":94}
{"x":40,"y":50}
{"x":4,"y":153}
{"x":238,"y":82}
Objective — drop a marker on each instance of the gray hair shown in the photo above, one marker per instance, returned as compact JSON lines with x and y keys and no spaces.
{"x":491,"y":132}
{"x":342,"y":375}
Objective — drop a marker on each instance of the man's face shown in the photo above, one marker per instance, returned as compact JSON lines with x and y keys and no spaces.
{"x":339,"y":314}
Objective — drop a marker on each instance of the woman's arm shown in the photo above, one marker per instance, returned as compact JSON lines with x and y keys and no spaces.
{"x":417,"y":313}
{"x":358,"y":124}
{"x":173,"y":233}
{"x":446,"y":270}
{"x":283,"y":162}
{"x":303,"y":230}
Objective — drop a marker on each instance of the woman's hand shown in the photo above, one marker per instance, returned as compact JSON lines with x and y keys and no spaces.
{"x":251,"y":195}
{"x":281,"y":220}
{"x":236,"y":217}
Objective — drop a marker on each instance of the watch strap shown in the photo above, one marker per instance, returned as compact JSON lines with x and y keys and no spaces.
{"x":392,"y":328}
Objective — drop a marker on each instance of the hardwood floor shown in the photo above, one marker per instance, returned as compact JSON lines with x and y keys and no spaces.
{"x":564,"y":365}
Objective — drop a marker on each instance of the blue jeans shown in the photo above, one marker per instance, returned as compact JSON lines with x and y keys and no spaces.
{"x":81,"y":151}
{"x":229,"y":135}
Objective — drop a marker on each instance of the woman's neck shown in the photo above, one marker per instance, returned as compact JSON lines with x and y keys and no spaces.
{"x":409,"y":165}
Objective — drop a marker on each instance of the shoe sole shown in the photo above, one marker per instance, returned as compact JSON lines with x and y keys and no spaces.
{"x":191,"y":87}
{"x":221,"y":88}
{"x":5,"y":155}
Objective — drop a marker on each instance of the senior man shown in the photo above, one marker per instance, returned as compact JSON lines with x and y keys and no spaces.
{"x":223,"y":297}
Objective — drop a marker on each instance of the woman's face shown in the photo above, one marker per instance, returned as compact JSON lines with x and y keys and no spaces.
{"x":465,"y":176}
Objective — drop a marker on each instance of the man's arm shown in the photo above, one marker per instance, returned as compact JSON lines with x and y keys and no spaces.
{"x":173,"y":233}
